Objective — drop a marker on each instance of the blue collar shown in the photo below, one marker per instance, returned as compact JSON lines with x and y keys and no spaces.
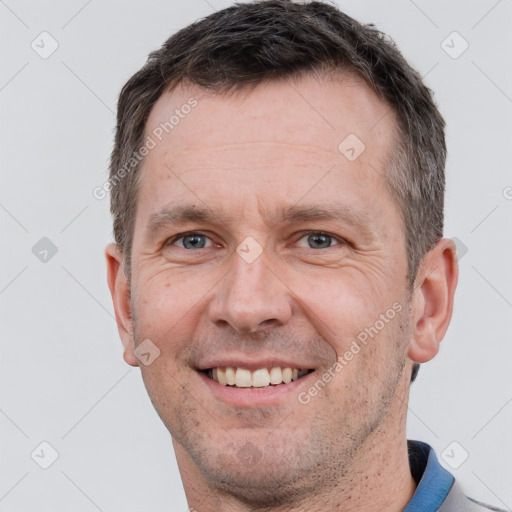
{"x":434,"y":482}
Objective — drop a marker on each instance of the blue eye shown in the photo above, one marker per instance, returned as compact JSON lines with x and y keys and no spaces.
{"x":319,"y":240}
{"x":192,"y":241}
{"x":312,"y":240}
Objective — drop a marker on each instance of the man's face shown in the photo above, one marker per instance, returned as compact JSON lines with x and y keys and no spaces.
{"x":278,"y":249}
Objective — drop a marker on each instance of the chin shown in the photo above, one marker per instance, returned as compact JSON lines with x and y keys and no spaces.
{"x":258,"y":480}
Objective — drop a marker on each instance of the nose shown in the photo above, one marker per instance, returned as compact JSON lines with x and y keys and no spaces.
{"x":251,"y":297}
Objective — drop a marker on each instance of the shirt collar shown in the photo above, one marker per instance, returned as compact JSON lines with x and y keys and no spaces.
{"x":434,"y":482}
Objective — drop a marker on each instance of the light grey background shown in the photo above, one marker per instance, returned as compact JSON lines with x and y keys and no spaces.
{"x":62,"y":377}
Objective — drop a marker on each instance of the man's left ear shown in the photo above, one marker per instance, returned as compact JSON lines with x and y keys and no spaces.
{"x":433,"y":300}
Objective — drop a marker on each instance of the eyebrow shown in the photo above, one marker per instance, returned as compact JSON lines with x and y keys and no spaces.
{"x":182,"y":214}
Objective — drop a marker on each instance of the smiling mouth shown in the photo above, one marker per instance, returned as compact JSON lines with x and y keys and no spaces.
{"x":250,"y":379}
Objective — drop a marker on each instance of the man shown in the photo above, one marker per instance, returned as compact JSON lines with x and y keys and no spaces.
{"x":279,"y":270}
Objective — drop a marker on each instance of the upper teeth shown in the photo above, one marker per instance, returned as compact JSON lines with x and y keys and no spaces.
{"x":243,"y":378}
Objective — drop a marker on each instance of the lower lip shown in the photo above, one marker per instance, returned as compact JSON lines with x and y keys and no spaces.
{"x":250,"y":397}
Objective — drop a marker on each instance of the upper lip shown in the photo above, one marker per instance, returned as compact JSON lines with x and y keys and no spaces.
{"x":254,"y":364}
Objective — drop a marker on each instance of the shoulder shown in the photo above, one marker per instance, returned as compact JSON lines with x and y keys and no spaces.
{"x":437,"y":488}
{"x":482,"y":507}
{"x":457,"y":501}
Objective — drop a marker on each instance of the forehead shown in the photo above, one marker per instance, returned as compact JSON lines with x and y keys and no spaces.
{"x":309,"y":111}
{"x":268,"y":143}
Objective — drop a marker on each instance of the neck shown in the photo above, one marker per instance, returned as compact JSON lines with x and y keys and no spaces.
{"x":377,"y":478}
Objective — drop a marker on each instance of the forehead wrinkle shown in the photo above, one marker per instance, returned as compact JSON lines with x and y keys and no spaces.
{"x":315,"y":212}
{"x":181,"y":147}
{"x":183,"y":213}
{"x":179,"y":214}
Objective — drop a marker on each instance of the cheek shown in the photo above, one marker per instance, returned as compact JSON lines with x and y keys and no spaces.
{"x":365,"y":329}
{"x":369,"y":365}
{"x":343,"y":305}
{"x":164,"y":299}
{"x":163,"y":312}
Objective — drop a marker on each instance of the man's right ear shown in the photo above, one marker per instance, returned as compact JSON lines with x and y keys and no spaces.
{"x":120,"y":290}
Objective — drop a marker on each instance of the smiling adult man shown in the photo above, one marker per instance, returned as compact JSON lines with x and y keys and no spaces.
{"x":279,"y":267}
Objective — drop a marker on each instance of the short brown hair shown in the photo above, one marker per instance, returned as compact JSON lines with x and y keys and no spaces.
{"x":249,"y":43}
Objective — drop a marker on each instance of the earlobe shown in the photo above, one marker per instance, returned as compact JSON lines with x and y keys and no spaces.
{"x":423,"y":346}
{"x":120,"y":290}
{"x":433,"y":300}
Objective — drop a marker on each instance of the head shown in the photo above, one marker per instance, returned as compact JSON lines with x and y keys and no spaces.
{"x":277,"y":186}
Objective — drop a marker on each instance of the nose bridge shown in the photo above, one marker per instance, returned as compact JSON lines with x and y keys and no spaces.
{"x":250,"y":295}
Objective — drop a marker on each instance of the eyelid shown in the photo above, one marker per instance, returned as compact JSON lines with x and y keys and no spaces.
{"x":171,"y":240}
{"x":302,"y":234}
{"x":340,"y":240}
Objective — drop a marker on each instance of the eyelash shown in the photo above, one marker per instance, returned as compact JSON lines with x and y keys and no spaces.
{"x":340,"y":241}
{"x":173,"y":239}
